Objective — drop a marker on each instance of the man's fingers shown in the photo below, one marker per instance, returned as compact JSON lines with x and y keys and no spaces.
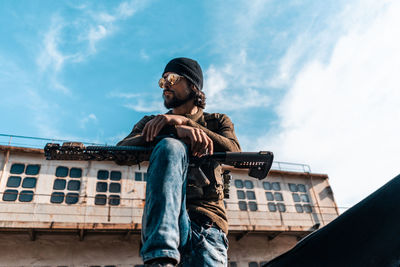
{"x":153,"y":128}
{"x":207,"y":145}
{"x":144,"y":132}
{"x":157,"y":127}
{"x":193,"y":139}
{"x":210,"y":146}
{"x":147,"y":129}
{"x":198,"y":145}
{"x":150,"y":129}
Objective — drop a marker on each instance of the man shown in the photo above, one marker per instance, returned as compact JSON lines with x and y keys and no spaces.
{"x":184,"y":221}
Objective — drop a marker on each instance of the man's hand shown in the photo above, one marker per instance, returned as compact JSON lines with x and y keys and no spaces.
{"x":199,"y":141}
{"x":154,"y":126}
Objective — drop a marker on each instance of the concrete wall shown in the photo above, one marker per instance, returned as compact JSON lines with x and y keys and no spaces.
{"x":57,"y":250}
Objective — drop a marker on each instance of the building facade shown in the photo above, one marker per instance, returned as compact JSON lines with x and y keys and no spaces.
{"x":79,"y":213}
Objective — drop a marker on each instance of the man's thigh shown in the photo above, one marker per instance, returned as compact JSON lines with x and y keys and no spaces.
{"x":207,"y":247}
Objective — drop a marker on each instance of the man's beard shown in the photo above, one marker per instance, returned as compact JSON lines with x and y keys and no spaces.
{"x":175,"y":102}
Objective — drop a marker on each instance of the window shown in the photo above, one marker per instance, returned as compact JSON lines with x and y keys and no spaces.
{"x":253,"y":264}
{"x":276,"y":186}
{"x":25,"y":196}
{"x":115,"y":176}
{"x":14,"y":181}
{"x":102,"y":175}
{"x":299,"y":208}
{"x":10,"y":195}
{"x":59,"y":184}
{"x":239,"y":183}
{"x":72,"y":198}
{"x":240,"y":194}
{"x":141,"y":176}
{"x":301,"y":198}
{"x":271,"y":206}
{"x":246,"y":192}
{"x":100,"y":199}
{"x":242,"y":205}
{"x":74,"y":185}
{"x":278,"y":196}
{"x":57,"y":197}
{"x":293,"y":188}
{"x":108,"y":187}
{"x":32,"y":169}
{"x":270,"y":196}
{"x":17,"y":168}
{"x":252,"y":206}
{"x":232,"y":264}
{"x":307,"y":208}
{"x":29,"y":182}
{"x":304,"y":198}
{"x":275,"y":201}
{"x":21,"y":183}
{"x":61,"y":172}
{"x":248,"y":184}
{"x":281,"y":207}
{"x":75,"y":173}
{"x":67,"y":185}
{"x":250,"y":195}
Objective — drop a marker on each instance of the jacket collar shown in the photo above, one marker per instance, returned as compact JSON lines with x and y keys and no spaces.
{"x":195,"y":117}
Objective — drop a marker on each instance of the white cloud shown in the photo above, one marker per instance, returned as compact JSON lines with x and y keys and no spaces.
{"x":84,"y":34}
{"x":50,"y":56}
{"x":123,"y":95}
{"x":105,"y":17}
{"x":127,"y":9}
{"x":86,"y":119}
{"x":96,"y":34}
{"x":215,"y":81}
{"x":144,"y":55}
{"x":229,"y":89}
{"x":88,"y":29}
{"x":341,"y":116}
{"x":147,"y":106}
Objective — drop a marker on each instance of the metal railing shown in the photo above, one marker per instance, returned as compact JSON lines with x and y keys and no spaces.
{"x":38,"y":142}
{"x":82,"y":212}
{"x":32,"y":142}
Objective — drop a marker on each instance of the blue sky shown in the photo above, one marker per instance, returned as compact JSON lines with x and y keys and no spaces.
{"x":314,"y":81}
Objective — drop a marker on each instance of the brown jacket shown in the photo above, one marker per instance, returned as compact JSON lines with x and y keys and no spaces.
{"x":209,"y":199}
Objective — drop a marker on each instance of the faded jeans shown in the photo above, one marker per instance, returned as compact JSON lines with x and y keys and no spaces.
{"x":167,"y":230}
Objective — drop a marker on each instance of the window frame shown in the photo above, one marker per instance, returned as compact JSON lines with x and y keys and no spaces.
{"x":22,"y":182}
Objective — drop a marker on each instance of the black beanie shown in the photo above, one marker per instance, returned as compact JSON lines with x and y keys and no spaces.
{"x":187,"y":68}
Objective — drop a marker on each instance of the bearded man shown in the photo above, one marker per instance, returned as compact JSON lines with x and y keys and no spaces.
{"x":183,"y":222}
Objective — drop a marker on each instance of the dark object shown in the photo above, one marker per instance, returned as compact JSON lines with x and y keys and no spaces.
{"x":368,"y":234}
{"x":128,"y":155}
{"x":227,"y":177}
{"x":161,"y":262}
{"x":188,"y":68}
{"x":258,"y":163}
{"x":202,"y":220}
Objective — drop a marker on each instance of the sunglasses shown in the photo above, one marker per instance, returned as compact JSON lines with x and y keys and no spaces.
{"x":171,"y":79}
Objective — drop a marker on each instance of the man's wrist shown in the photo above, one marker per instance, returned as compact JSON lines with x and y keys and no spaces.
{"x":186,"y":122}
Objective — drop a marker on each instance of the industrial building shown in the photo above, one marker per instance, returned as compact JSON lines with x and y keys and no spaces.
{"x":80,"y":213}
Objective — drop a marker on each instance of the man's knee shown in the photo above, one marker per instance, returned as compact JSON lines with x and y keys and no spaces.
{"x":170,"y":147}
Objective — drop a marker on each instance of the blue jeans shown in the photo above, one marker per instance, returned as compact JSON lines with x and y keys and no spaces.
{"x":166,"y":227}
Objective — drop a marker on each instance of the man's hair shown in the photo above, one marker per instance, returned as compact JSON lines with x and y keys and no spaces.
{"x":199,"y":96}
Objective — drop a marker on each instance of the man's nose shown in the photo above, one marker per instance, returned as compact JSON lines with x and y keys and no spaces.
{"x":167,"y":85}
